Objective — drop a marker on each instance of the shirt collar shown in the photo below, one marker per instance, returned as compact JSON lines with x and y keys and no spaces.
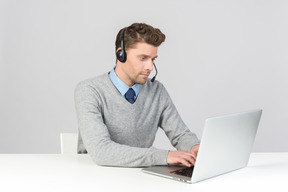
{"x":120,"y":85}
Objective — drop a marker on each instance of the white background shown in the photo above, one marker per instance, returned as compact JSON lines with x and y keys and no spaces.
{"x":219,"y":57}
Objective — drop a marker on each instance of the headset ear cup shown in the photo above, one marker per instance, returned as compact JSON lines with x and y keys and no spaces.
{"x":121,"y":55}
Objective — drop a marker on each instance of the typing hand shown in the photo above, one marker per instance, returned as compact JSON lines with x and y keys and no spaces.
{"x":194,"y":150}
{"x":181,"y":157}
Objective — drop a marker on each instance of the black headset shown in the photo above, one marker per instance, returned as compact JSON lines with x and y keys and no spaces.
{"x":121,"y":54}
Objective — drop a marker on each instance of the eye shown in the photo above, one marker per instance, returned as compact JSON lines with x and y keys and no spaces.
{"x":142,"y":58}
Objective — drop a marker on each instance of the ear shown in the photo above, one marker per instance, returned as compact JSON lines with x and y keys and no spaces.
{"x":118,"y":49}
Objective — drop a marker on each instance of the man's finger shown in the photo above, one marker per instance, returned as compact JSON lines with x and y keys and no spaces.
{"x":189,"y":159}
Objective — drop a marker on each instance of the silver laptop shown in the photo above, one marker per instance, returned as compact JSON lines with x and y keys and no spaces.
{"x":225,"y":146}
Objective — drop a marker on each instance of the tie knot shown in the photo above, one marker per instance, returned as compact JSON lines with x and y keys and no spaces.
{"x":129,"y":95}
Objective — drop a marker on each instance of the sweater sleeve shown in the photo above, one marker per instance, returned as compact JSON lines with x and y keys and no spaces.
{"x":97,"y":140}
{"x":178,"y":133}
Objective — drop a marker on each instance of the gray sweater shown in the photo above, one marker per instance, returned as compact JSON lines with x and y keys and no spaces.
{"x":117,"y":133}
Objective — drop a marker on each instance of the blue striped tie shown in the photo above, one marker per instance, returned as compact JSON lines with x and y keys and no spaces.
{"x":129,"y":95}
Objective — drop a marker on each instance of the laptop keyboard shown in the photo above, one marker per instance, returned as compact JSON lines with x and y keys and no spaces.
{"x":185,"y":171}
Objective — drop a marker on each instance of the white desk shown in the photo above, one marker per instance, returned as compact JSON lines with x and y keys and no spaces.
{"x":53,"y":172}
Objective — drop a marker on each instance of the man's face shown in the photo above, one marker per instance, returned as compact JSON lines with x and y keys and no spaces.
{"x":139,"y":64}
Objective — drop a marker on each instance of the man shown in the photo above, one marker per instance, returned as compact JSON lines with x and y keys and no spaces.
{"x":119,"y":112}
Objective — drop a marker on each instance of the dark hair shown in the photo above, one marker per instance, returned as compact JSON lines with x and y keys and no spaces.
{"x":140,"y":32}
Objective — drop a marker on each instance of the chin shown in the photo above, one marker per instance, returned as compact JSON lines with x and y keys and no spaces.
{"x":141,"y":82}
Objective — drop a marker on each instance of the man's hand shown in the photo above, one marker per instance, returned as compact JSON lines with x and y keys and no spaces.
{"x":183,"y":157}
{"x":195,"y":149}
{"x":178,"y":157}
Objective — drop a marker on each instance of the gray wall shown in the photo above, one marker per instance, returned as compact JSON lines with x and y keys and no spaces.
{"x":219,"y":57}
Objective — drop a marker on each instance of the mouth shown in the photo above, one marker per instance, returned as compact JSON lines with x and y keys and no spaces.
{"x":145,"y":75}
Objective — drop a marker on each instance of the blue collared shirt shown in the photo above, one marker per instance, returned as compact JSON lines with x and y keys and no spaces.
{"x":121,"y":86}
